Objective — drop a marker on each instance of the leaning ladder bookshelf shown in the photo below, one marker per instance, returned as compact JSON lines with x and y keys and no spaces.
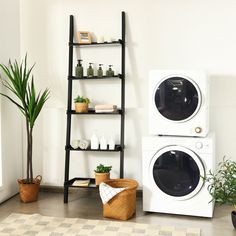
{"x":121,"y":112}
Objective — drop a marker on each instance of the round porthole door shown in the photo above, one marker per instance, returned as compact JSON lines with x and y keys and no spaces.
{"x":177,"y":172}
{"x":177,"y":98}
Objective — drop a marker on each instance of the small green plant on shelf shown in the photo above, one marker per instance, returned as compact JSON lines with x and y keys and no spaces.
{"x":102,"y":173}
{"x":81,"y":99}
{"x":103,"y":169}
{"x":222,"y":184}
{"x":81,"y":104}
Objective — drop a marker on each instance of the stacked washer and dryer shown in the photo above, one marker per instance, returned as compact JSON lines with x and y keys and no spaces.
{"x":180,"y":150}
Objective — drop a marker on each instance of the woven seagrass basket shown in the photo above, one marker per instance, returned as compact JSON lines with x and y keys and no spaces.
{"x":123,"y":205}
{"x":29,"y":192}
{"x":81,"y":107}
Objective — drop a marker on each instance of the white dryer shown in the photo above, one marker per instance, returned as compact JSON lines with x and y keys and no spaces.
{"x":178,"y":103}
{"x":173,"y":168}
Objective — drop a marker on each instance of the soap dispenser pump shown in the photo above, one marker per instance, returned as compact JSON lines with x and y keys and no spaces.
{"x":79,"y":70}
{"x":100,"y":71}
{"x":110,"y":72}
{"x":90,"y":71}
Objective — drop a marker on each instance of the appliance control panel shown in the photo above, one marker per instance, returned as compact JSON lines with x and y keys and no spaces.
{"x":203,"y":147}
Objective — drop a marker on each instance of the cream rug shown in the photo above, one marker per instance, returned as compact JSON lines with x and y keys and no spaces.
{"x":23,"y":224}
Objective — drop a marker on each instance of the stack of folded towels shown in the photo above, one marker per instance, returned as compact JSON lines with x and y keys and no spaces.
{"x":105,"y":108}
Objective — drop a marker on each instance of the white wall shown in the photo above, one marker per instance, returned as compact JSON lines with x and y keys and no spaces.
{"x":11,"y":130}
{"x":183,"y":34}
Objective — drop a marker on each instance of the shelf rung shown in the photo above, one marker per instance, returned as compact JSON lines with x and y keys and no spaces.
{"x":118,"y":42}
{"x":70,"y":182}
{"x":92,"y":112}
{"x":119,"y":76}
{"x":117,"y":149}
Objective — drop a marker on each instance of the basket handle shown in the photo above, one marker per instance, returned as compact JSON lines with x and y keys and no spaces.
{"x":38,"y":178}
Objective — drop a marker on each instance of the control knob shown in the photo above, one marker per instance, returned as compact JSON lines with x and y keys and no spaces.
{"x":198,"y":145}
{"x":198,"y":130}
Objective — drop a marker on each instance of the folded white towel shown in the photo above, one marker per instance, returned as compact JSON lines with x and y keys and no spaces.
{"x":84,"y":144}
{"x":105,"y":107}
{"x":108,"y":110}
{"x":107,"y":192}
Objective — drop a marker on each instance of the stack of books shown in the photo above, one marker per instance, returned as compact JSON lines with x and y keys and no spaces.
{"x":107,"y":108}
{"x":81,"y":183}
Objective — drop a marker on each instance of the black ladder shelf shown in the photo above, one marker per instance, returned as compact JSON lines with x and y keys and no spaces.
{"x":118,"y":148}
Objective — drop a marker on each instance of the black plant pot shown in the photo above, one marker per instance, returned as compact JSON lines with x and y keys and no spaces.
{"x":233,"y":217}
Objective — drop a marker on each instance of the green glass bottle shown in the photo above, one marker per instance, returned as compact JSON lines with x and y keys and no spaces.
{"x":110,"y":72}
{"x":79,"y":70}
{"x":100,"y":71}
{"x":90,"y":71}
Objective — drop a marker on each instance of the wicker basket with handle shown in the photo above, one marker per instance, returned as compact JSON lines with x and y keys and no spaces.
{"x":123,"y":205}
{"x":29,"y":192}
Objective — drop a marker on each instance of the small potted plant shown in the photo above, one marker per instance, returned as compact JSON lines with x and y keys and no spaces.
{"x":81,"y":104}
{"x":222,"y":185}
{"x":102,"y":173}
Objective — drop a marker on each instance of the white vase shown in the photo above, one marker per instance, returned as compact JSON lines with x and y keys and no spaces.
{"x":94,"y":142}
{"x":111,"y":144}
{"x":103,"y":143}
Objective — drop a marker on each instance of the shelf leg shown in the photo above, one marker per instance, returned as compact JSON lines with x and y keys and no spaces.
{"x":122,"y":126}
{"x":69,"y":99}
{"x":66,"y":190}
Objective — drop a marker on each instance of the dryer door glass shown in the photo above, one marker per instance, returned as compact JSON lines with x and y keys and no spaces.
{"x":176,"y":173}
{"x":177,"y":98}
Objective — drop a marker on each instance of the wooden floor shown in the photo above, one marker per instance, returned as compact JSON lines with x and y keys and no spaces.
{"x":86,"y":204}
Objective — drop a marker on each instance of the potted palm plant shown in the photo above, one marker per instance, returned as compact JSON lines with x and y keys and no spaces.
{"x":81,"y":104}
{"x":20,"y":83}
{"x":222,"y":185}
{"x":102,"y":173}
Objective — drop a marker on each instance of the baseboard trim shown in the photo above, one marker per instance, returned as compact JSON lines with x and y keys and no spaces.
{"x":51,"y":189}
{"x":60,"y":189}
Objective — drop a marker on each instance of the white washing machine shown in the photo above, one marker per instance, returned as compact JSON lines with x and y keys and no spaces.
{"x":178,"y":103}
{"x":173,"y":168}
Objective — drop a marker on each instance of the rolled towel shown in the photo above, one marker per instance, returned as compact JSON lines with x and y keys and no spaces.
{"x":75,"y":143}
{"x":84,"y":144}
{"x":105,"y":107}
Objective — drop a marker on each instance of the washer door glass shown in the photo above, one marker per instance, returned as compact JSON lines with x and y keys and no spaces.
{"x":176,"y":172}
{"x":177,"y":99}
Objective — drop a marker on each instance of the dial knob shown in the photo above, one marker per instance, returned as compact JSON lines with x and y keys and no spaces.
{"x":198,"y":145}
{"x":198,"y":130}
